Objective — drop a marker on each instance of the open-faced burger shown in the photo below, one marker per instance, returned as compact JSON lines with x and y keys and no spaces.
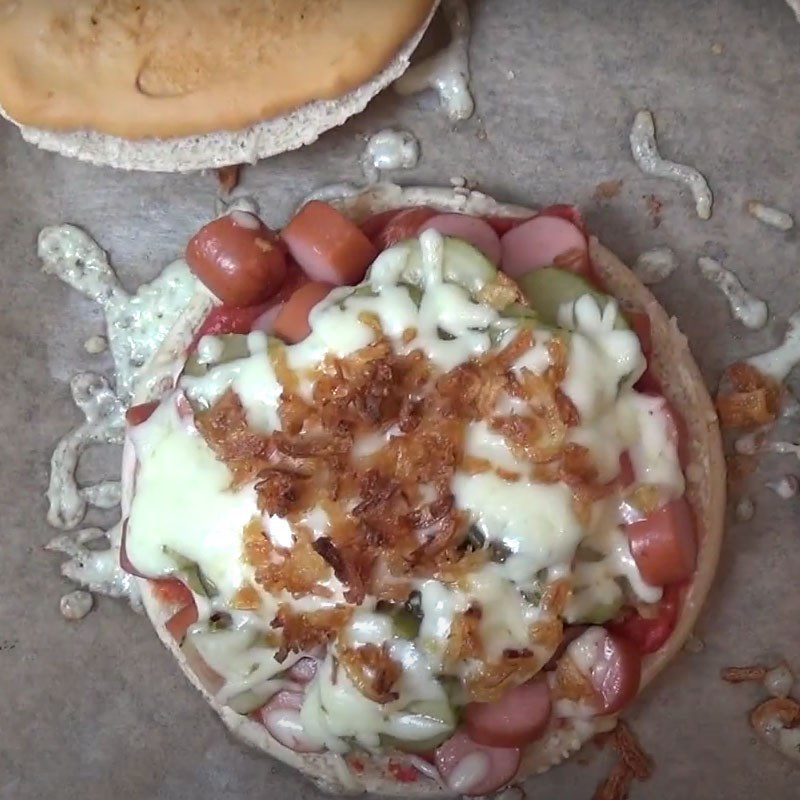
{"x":426,"y":493}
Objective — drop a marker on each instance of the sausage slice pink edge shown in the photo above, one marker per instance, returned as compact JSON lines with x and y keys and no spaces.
{"x":615,"y":667}
{"x":281,"y":717}
{"x":500,"y":765}
{"x":519,"y":716}
{"x":473,"y":230}
{"x":537,"y":243}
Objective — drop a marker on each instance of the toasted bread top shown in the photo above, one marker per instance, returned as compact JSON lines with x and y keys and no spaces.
{"x":167,"y":68}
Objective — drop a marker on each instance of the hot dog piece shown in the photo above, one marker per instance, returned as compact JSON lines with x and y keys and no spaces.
{"x":541,"y":242}
{"x":471,"y":769}
{"x":182,"y":620}
{"x":328,"y":246}
{"x":612,"y":666}
{"x":649,"y":633}
{"x":238,"y":258}
{"x":520,"y":716}
{"x":303,"y":671}
{"x":374,"y":224}
{"x":473,"y":230}
{"x":136,"y":415}
{"x":403,"y":225}
{"x":281,"y":717}
{"x":502,"y":225}
{"x":664,"y":545}
{"x":291,"y":323}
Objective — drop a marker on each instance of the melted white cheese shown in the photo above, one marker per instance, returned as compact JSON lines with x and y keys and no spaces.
{"x":601,"y":355}
{"x":750,"y":310}
{"x":389,"y":150}
{"x":536,"y":522}
{"x":780,"y":361}
{"x":184,"y":502}
{"x":649,"y":160}
{"x":193,"y":510}
{"x":446,"y":72}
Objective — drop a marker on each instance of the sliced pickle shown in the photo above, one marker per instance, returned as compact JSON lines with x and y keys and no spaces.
{"x":602,"y":612}
{"x":548,"y":289}
{"x":252,"y":699}
{"x":437,"y":710}
{"x":405,"y":624}
{"x":195,"y":578}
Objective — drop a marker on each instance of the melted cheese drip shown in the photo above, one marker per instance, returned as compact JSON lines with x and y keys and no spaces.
{"x":751,"y":311}
{"x":446,"y":72}
{"x":645,"y":153}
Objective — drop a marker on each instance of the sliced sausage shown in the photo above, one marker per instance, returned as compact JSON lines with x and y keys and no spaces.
{"x":649,"y":633}
{"x":664,"y":545}
{"x":502,"y":225}
{"x":136,"y":415}
{"x":403,"y":225}
{"x":374,"y":224}
{"x":470,"y":768}
{"x":472,"y":230}
{"x":181,"y":621}
{"x":520,"y":716}
{"x":238,"y":258}
{"x":303,"y":671}
{"x":328,"y":246}
{"x":611,"y":664}
{"x":291,"y":322}
{"x":281,"y":717}
{"x":540,"y":242}
{"x":566,"y":211}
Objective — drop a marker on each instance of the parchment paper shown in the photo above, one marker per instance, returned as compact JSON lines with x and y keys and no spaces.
{"x":96,"y":709}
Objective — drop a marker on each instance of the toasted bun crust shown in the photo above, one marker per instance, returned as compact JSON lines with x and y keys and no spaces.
{"x":250,"y":142}
{"x":684,"y":388}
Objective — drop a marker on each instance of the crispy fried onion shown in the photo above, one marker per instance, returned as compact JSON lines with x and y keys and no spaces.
{"x":754,"y":400}
{"x":372,"y":671}
{"x":631,"y":752}
{"x":489,"y":680}
{"x":617,"y":785}
{"x":300,"y":570}
{"x":304,"y":630}
{"x":571,"y":683}
{"x":391,"y":512}
{"x":777,"y":723}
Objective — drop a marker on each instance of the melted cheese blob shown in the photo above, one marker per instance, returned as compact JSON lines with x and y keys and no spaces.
{"x":423,"y":294}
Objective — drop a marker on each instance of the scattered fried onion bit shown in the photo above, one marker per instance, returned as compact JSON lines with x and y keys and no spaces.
{"x":755,"y":398}
{"x":372,"y":671}
{"x":303,"y":631}
{"x":571,"y":683}
{"x":755,"y":673}
{"x":777,"y":723}
{"x":228,"y":177}
{"x":617,"y":785}
{"x":631,"y":752}
{"x":299,"y":570}
{"x":492,"y":680}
